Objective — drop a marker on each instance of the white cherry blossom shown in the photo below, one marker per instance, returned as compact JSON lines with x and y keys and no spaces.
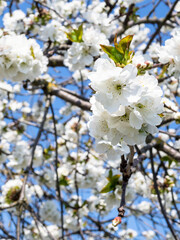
{"x":21,"y":60}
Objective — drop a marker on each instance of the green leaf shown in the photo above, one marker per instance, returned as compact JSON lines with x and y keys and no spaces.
{"x":110,"y":174}
{"x":113,"y":53}
{"x":47,"y":152}
{"x":63,"y":181}
{"x":163,"y":71}
{"x":122,"y":10}
{"x":123,"y":44}
{"x":111,"y":185}
{"x":120,"y":54}
{"x":107,"y":188}
{"x":76,"y":34}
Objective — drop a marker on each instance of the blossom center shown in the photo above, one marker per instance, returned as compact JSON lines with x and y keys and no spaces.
{"x":140,"y":105}
{"x":118,"y":87}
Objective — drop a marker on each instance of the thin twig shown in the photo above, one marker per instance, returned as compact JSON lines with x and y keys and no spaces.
{"x":159,"y":197}
{"x":160,"y":26}
{"x":58,"y":186}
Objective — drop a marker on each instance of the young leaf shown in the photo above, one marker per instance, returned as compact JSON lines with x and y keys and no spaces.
{"x":111,"y":185}
{"x":110,"y":174}
{"x":107,"y":188}
{"x":123,"y":44}
{"x":113,"y":53}
{"x":76,"y":34}
{"x":120,"y":54}
{"x":63,"y":181}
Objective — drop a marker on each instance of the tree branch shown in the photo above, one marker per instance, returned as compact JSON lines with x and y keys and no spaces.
{"x":56,"y":61}
{"x":69,"y":97}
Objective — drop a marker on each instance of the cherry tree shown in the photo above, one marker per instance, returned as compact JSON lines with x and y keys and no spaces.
{"x":89,"y":121}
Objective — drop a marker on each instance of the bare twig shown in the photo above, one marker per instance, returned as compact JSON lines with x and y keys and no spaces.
{"x":153,"y":9}
{"x":129,"y":12}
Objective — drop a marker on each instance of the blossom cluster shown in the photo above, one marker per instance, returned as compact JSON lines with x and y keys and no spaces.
{"x":12,"y":190}
{"x":81,"y":54}
{"x":21,"y":60}
{"x":16,"y":22}
{"x":126,"y":107}
{"x":170,"y":53}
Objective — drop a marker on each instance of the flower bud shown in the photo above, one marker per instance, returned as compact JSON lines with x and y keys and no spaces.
{"x":116,"y":221}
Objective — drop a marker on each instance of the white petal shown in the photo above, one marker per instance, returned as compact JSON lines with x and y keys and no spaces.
{"x":135,"y":119}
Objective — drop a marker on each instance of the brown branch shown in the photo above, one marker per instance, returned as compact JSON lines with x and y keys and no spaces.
{"x":161,"y":146}
{"x":56,"y":61}
{"x":111,"y":6}
{"x":126,"y":169}
{"x":166,"y":121}
{"x":10,"y":7}
{"x":30,"y":165}
{"x":170,"y":151}
{"x":130,"y":162}
{"x":73,"y":93}
{"x":49,"y":8}
{"x":170,"y":134}
{"x":69,"y":97}
{"x":75,"y":179}
{"x":63,"y":93}
{"x":9,"y":206}
{"x":129,"y":12}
